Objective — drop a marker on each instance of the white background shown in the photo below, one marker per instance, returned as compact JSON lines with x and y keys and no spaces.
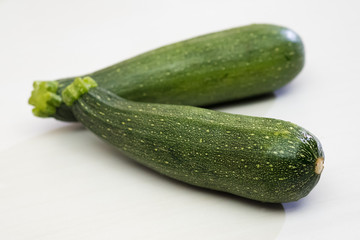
{"x":58,"y":181}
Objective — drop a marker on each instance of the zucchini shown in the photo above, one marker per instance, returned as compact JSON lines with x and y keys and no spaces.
{"x":263,"y":159}
{"x":213,"y":68}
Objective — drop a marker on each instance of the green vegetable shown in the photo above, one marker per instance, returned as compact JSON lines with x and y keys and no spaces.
{"x":218,"y":67}
{"x":263,"y":159}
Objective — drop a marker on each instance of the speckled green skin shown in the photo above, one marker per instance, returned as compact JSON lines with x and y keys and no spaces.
{"x":218,"y":67}
{"x":258,"y":158}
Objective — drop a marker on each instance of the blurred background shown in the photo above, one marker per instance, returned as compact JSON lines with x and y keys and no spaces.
{"x":58,"y":181}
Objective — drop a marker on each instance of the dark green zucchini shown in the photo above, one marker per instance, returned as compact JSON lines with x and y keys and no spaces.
{"x":263,"y":159}
{"x":213,"y":68}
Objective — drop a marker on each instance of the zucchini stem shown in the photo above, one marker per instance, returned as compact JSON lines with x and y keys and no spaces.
{"x":44,"y":98}
{"x":76,"y":89}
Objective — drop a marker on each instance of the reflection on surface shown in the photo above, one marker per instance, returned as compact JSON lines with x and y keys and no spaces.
{"x":68,"y":183}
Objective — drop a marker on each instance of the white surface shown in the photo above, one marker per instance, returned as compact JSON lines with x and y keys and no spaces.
{"x":58,"y":181}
